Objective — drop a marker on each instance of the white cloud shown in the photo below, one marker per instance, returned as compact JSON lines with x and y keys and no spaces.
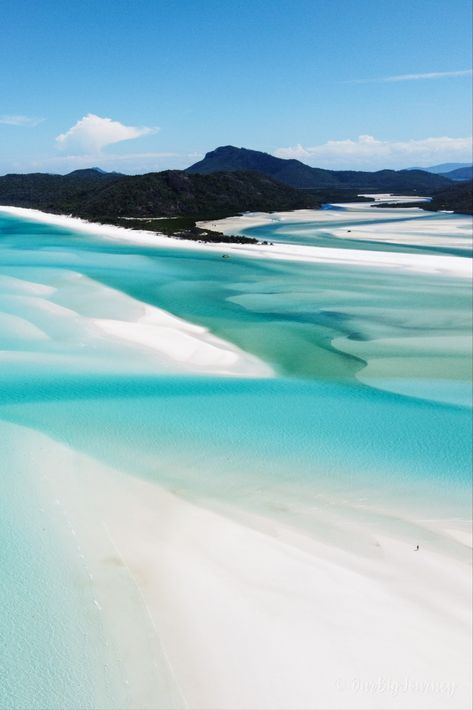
{"x":368,"y":152}
{"x":430,"y":75}
{"x":92,"y":133}
{"x":16,"y":120}
{"x":417,"y":77}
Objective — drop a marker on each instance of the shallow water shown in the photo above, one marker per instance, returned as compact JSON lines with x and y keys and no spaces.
{"x":328,"y":435}
{"x":411,"y":231}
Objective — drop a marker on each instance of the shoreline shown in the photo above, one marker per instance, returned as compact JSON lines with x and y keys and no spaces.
{"x":105,"y":230}
{"x":424,"y":263}
{"x":184,"y":572}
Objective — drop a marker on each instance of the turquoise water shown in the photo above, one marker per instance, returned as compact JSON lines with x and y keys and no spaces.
{"x":316,"y":437}
{"x":54,"y":651}
{"x":451,"y":238}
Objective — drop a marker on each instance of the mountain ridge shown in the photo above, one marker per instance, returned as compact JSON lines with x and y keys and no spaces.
{"x":299,"y":175}
{"x":443,"y":168}
{"x":458,"y":174}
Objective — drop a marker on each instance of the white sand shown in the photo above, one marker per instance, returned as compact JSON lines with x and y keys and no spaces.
{"x":84,"y":313}
{"x":190,"y":347}
{"x":423,"y":263}
{"x":441,"y":264}
{"x":136,"y":236}
{"x":408,"y":226}
{"x":397,"y":199}
{"x":418,"y":230}
{"x":253,"y":614}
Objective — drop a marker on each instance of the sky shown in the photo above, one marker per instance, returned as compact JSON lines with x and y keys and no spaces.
{"x":142,"y":85}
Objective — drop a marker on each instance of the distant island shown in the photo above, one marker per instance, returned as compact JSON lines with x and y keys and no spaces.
{"x":226,"y":182}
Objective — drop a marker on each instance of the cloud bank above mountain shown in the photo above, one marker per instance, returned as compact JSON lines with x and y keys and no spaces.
{"x":369,"y":153}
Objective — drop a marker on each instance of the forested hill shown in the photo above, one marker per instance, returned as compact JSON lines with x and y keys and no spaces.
{"x":457,"y":198}
{"x":96,"y":195}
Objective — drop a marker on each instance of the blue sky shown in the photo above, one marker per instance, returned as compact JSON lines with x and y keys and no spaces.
{"x":138,"y":85}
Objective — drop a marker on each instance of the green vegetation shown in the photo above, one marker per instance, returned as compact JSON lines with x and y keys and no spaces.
{"x":114,"y":199}
{"x":181,"y":228}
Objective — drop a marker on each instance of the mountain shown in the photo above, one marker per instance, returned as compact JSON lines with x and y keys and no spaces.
{"x":290,"y":172}
{"x":92,"y":172}
{"x":297,"y":174}
{"x":443,"y":168}
{"x":106,"y":196}
{"x":105,"y":172}
{"x":465,"y":173}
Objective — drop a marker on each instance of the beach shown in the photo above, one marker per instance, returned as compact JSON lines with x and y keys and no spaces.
{"x":287,"y":252}
{"x":245,"y":613}
{"x":228,"y":532}
{"x":360,"y":222}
